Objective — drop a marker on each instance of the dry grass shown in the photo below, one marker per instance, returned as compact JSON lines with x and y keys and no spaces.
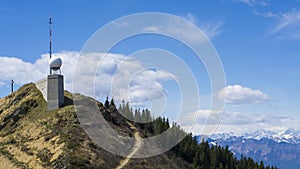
{"x":31,"y":137}
{"x":30,"y":134}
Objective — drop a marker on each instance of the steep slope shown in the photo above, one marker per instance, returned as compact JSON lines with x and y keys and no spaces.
{"x":34,"y":138}
{"x":31,"y":137}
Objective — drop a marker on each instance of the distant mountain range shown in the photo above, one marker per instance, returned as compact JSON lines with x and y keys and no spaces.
{"x":281,"y":149}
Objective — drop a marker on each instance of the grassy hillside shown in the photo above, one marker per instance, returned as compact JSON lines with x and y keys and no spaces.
{"x":31,"y":137}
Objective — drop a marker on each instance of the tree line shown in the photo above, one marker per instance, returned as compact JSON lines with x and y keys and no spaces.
{"x":198,"y":155}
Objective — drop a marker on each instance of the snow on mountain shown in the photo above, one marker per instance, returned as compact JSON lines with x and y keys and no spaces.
{"x":222,"y":136}
{"x":257,"y":135}
{"x":290,"y":135}
{"x":274,"y":148}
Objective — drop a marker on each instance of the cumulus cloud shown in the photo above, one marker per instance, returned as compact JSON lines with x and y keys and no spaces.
{"x":120,"y":77}
{"x":20,"y":71}
{"x":99,"y":74}
{"x":188,"y":32}
{"x":236,"y":94}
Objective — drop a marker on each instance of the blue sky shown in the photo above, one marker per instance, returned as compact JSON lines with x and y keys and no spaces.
{"x":257,"y":42}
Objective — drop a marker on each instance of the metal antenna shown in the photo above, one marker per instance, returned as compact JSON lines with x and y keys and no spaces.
{"x":50,"y":37}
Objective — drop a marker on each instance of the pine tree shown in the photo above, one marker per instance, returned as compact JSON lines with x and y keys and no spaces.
{"x":201,"y":156}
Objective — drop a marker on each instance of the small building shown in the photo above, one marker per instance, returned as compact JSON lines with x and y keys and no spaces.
{"x":52,"y":89}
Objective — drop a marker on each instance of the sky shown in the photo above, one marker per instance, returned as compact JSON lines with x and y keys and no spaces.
{"x":256,"y":42}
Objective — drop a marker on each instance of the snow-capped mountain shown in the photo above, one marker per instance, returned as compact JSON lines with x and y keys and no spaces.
{"x":274,"y":148}
{"x":290,"y":135}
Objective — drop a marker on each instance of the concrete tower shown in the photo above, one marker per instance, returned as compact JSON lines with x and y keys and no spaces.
{"x":55,"y":81}
{"x":55,"y":85}
{"x":52,"y":87}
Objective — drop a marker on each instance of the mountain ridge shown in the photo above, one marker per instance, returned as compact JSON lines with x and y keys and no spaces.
{"x":275,"y":148}
{"x":31,"y":137}
{"x":289,"y":135}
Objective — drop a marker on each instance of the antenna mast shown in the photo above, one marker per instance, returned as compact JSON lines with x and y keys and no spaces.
{"x":50,"y":37}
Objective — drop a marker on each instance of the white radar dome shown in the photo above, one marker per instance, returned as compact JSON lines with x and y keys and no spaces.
{"x":55,"y":63}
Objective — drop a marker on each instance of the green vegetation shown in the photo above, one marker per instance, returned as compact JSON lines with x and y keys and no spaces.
{"x":32,"y":137}
{"x":202,"y":156}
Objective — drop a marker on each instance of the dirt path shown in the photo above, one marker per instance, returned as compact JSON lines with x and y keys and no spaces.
{"x":135,"y":148}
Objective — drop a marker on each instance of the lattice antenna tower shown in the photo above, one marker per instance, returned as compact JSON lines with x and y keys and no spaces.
{"x":50,"y":38}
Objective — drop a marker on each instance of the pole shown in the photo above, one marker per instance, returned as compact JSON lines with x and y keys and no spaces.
{"x":12,"y":85}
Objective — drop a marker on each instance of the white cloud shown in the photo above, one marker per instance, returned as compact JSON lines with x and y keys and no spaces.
{"x":149,"y":80}
{"x":248,"y":2}
{"x":104,"y":76}
{"x":287,"y":24}
{"x":199,"y":117}
{"x":285,"y":20}
{"x":289,"y":21}
{"x":254,"y":2}
{"x":211,"y":29}
{"x":242,"y":122}
{"x":201,"y":121}
{"x":188,"y":31}
{"x":236,"y":122}
{"x":236,"y":94}
{"x":15,"y":68}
